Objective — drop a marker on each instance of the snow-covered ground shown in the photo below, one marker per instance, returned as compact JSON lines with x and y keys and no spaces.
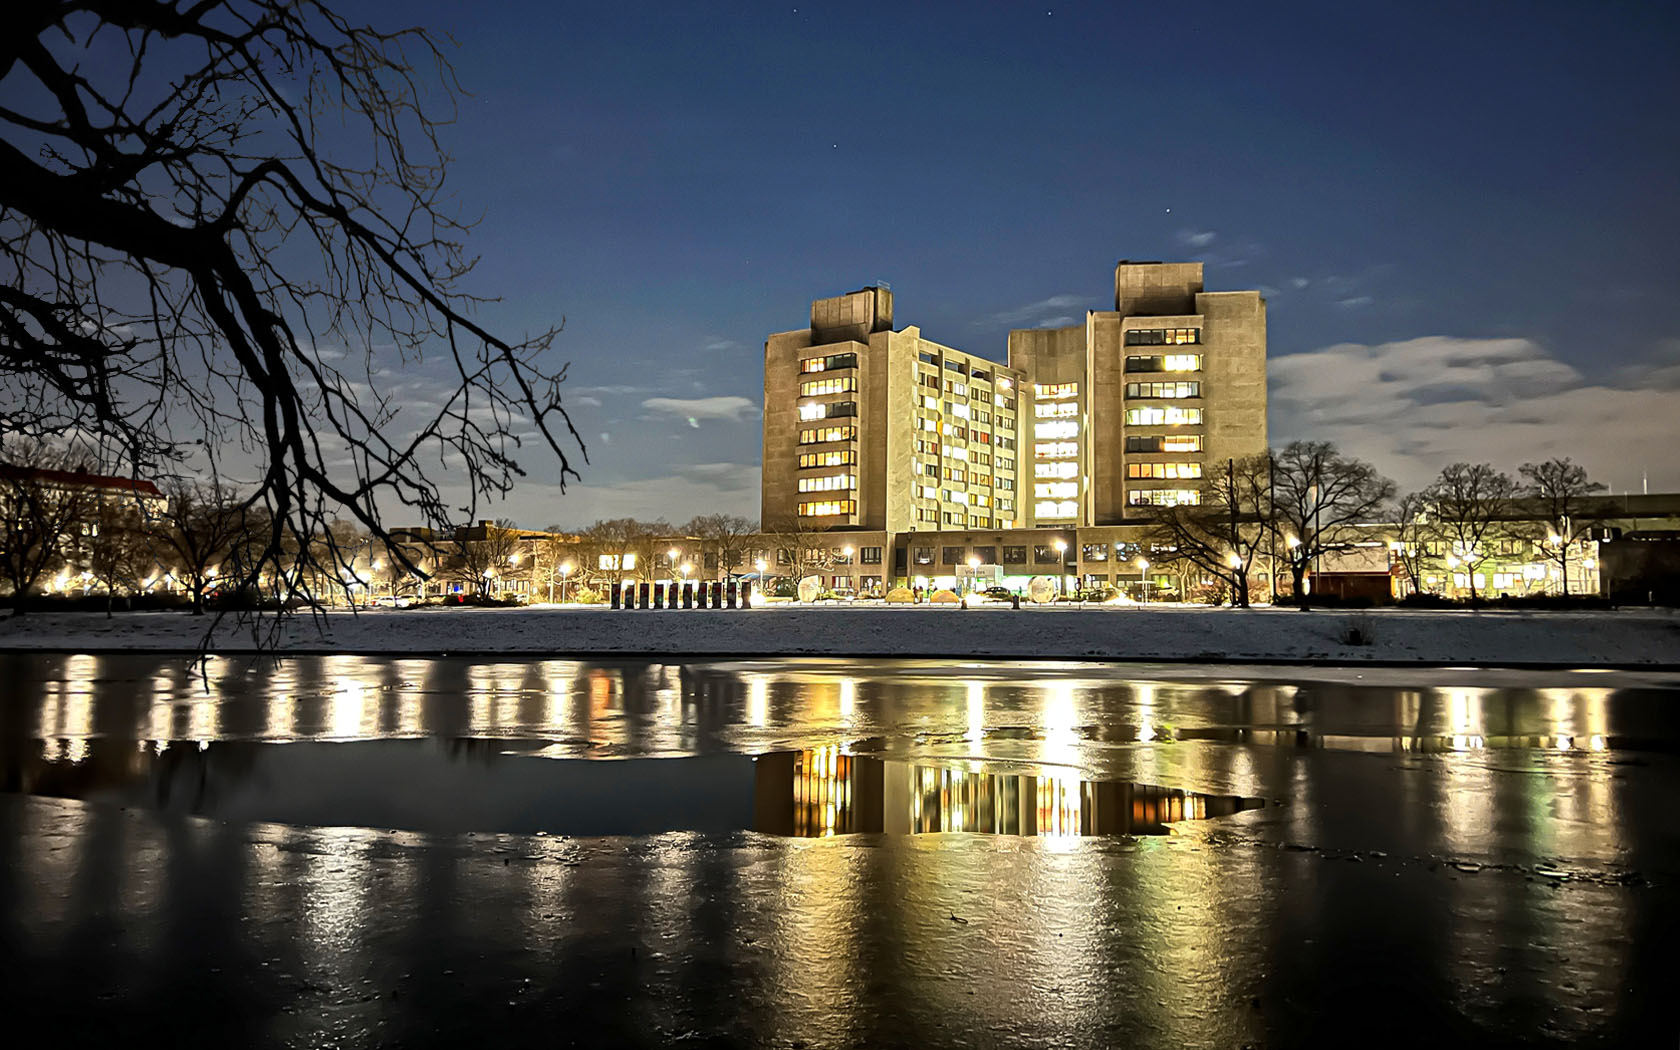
{"x":1502,"y":639}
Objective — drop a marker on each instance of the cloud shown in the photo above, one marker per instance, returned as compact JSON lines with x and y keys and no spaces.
{"x":1041,"y":313}
{"x":1412,"y":407}
{"x":1354,"y":302}
{"x":699,"y":488}
{"x":612,"y":391}
{"x":1197,"y":238}
{"x":587,"y":401}
{"x":717,"y":344}
{"x":733,"y":409}
{"x":1065,"y":321}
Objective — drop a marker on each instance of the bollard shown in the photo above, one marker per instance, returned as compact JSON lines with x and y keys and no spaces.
{"x":1015,"y":602}
{"x":688,"y":595}
{"x":644,"y":596}
{"x":746,"y":594}
{"x":617,"y":598}
{"x":659,"y":596}
{"x":729,"y":595}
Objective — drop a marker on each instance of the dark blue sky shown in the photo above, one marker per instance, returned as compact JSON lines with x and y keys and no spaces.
{"x":679,"y":180}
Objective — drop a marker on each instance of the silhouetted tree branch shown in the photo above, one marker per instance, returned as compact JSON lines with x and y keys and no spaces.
{"x":222,"y":224}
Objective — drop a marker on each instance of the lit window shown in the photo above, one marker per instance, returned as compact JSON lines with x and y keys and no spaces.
{"x":1055,"y":470}
{"x":823,"y":435}
{"x":1169,"y":471}
{"x":1055,"y":391}
{"x":828,"y":483}
{"x":1157,"y":415}
{"x":827,"y":508}
{"x":1056,"y":489}
{"x":829,"y":363}
{"x":1054,"y":409}
{"x":1163,"y":497}
{"x":1063,"y":429}
{"x":1056,"y":450}
{"x":1066,"y":509}
{"x":835,"y":385}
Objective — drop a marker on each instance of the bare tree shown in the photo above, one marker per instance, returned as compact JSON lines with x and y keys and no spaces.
{"x":1561,"y":489}
{"x":1319,"y":498}
{"x":1223,"y":533}
{"x":119,"y":551}
{"x":723,"y":536}
{"x":39,"y":515}
{"x":483,"y":552}
{"x":203,"y":526}
{"x":1413,"y":534}
{"x":1467,"y":500}
{"x":555,"y":559}
{"x":224,"y":224}
{"x":804,"y":550}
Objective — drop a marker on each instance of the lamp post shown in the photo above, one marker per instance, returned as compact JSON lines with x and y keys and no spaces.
{"x":1143,"y":577}
{"x":565,"y":571}
{"x":1061,"y":552}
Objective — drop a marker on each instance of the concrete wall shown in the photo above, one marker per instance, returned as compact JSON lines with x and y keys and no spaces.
{"x":1147,"y":289}
{"x":1234,"y":368}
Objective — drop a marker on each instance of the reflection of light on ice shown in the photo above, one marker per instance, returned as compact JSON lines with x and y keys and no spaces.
{"x":758,"y":700}
{"x":976,"y":712}
{"x":848,"y":700}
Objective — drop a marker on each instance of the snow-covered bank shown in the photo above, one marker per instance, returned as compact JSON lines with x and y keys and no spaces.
{"x":1503,"y":639}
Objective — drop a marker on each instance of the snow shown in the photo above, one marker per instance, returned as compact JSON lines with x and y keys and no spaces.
{"x":1156,"y":633}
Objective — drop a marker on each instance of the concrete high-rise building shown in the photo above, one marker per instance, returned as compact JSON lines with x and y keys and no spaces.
{"x":1138,"y":406}
{"x":870,"y":428}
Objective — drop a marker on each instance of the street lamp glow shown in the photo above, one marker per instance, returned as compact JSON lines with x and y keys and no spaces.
{"x":1233,"y":561}
{"x":672,"y":553}
{"x":1143,"y":563}
{"x":846,"y":550}
{"x":973,"y":562}
{"x":685,"y":567}
{"x":760,"y":565}
{"x":1060,"y":545}
{"x":1292,"y":542}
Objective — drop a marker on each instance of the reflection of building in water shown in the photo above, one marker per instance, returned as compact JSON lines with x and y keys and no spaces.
{"x":821,"y":792}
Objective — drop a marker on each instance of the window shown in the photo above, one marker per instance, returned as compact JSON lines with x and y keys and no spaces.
{"x":1156,"y":416}
{"x":839,"y":556}
{"x":1005,"y":463}
{"x":1165,"y":443}
{"x":1044,"y":554}
{"x":829,"y":363}
{"x":1163,"y":336}
{"x":956,"y":366}
{"x":1094,"y":552}
{"x":1062,"y":469}
{"x":955,"y":474}
{"x":1056,"y":489}
{"x":928,"y":380}
{"x":1015,"y":555}
{"x":1165,"y":363}
{"x":1055,"y":409}
{"x":980,"y":459}
{"x":986,"y":555}
{"x":828,"y":508}
{"x":1055,"y":391}
{"x":976,"y":521}
{"x":709,"y":561}
{"x":823,"y":435}
{"x":835,"y":385}
{"x":954,"y":518}
{"x":999,"y":401}
{"x":1006,"y":484}
{"x":611,"y":562}
{"x":1055,"y":450}
{"x":869,"y":584}
{"x":952,"y":555}
{"x":869,"y":555}
{"x":922,"y":555}
{"x":829,"y":483}
{"x":839,"y":458}
{"x":928,"y":359}
{"x":984,"y":377}
{"x":1005,"y":442}
{"x":1064,"y":429}
{"x":1006,"y":505}
{"x":1164,"y":390}
{"x":1163,"y":497}
{"x":818,"y":410}
{"x":1063,"y":509}
{"x":782,"y":557}
{"x":960,"y":411}
{"x":1171,"y":471}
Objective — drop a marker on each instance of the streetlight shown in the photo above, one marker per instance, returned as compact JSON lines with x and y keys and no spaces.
{"x":1143,"y":574}
{"x":760,"y":566}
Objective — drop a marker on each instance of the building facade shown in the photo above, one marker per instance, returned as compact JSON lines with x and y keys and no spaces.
{"x":1136,"y":406}
{"x":870,"y":428}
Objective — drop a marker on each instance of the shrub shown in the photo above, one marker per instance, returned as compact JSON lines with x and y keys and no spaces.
{"x":587,"y":596}
{"x":1358,"y":629}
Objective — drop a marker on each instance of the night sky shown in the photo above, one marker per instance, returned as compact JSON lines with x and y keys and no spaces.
{"x":1463,"y":216}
